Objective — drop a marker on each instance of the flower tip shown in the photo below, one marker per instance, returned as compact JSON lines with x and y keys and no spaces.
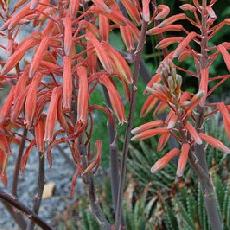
{"x":171,"y":125}
{"x":226,"y":150}
{"x":154,"y":168}
{"x":135,"y":130}
{"x":199,"y":142}
{"x":134,"y":138}
{"x":179,"y":174}
{"x":200,"y":94}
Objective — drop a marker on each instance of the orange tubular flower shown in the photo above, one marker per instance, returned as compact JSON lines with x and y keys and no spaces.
{"x":225,"y":54}
{"x":119,"y":63}
{"x":172,"y":19}
{"x":184,"y":43}
{"x":149,"y":133}
{"x":31,"y":99}
{"x":168,"y":41}
{"x":161,"y":163}
{"x":226,"y":117}
{"x":127,"y":37}
{"x":83,"y":95}
{"x":101,"y":53}
{"x":104,"y":27}
{"x":34,"y":4}
{"x":67,"y":23}
{"x":183,"y":159}
{"x":14,"y":20}
{"x":114,"y":98}
{"x":4,"y":144}
{"x":18,"y":105}
{"x":163,"y":12}
{"x":39,"y":130}
{"x":193,"y":133}
{"x":162,"y":141}
{"x":39,"y":55}
{"x":145,"y":10}
{"x":4,"y":112}
{"x":214,"y":143}
{"x":67,"y":83}
{"x":52,"y":115}
{"x":148,"y":125}
{"x":148,"y":105}
{"x":19,"y":53}
{"x":132,"y":10}
{"x":158,"y":30}
{"x":73,"y":7}
{"x":26,"y":155}
{"x":3,"y":164}
{"x":172,"y":120}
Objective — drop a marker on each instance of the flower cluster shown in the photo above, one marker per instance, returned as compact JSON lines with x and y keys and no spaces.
{"x":50,"y":92}
{"x":186,"y":112}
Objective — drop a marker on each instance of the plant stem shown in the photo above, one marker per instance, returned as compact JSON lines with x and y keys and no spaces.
{"x":114,"y":168}
{"x":137,"y":60}
{"x":202,"y":172}
{"x":89,"y":180}
{"x":96,"y":209}
{"x":40,"y":182}
{"x":30,"y":214}
{"x":17,"y":166}
{"x":17,"y":216}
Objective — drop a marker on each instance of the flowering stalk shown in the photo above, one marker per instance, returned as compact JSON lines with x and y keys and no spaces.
{"x":137,"y":59}
{"x":186,"y":112}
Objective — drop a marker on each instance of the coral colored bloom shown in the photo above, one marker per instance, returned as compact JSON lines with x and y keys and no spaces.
{"x":3,"y":164}
{"x":161,"y":163}
{"x":73,"y":7}
{"x":39,"y":131}
{"x":104,"y":27}
{"x":145,"y":10}
{"x":67,"y":83}
{"x":101,"y":53}
{"x":148,"y":105}
{"x":26,"y":155}
{"x":43,"y":46}
{"x":183,"y":159}
{"x":34,"y":4}
{"x":226,"y":117}
{"x":150,"y":133}
{"x":159,"y":30}
{"x":68,"y":40}
{"x":31,"y":99}
{"x":5,"y":109}
{"x":83,"y":95}
{"x":114,"y":98}
{"x":19,"y":53}
{"x":163,"y":12}
{"x":193,"y":133}
{"x":132,"y":10}
{"x":225,"y":54}
{"x":214,"y":142}
{"x":119,"y":63}
{"x":172,"y":19}
{"x":184,"y":44}
{"x":148,"y":125}
{"x":162,"y":141}
{"x":52,"y":115}
{"x":164,"y":43}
